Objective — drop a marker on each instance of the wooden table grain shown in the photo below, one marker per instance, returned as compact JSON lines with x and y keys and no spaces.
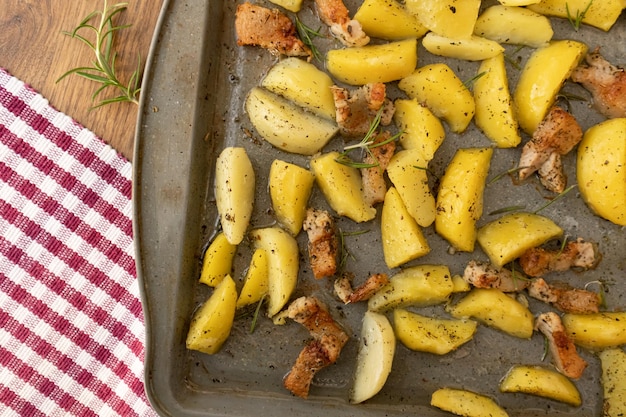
{"x":34,"y":49}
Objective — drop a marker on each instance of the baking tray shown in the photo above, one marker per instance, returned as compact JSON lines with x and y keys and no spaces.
{"x":191,"y":107}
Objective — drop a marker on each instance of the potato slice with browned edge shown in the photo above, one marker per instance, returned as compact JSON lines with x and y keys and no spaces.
{"x":613,"y":362}
{"x":388,"y":19}
{"x":601,"y":169}
{"x":421,"y":285}
{"x":286,"y":125}
{"x":378,"y":63}
{"x":541,"y":79}
{"x":466,"y":403}
{"x":211,"y":323}
{"x":283,"y":262}
{"x":430,"y":334}
{"x":494,"y":308}
{"x":601,"y":14}
{"x":377,"y":348}
{"x":596,"y":331}
{"x":256,"y":283}
{"x":402,"y":237}
{"x":508,"y":237}
{"x":514,"y":25}
{"x":437,"y":87}
{"x":290,"y":188}
{"x":460,"y":197}
{"x":342,"y":187}
{"x":541,"y":381}
{"x":218,"y":261}
{"x":234,"y":192}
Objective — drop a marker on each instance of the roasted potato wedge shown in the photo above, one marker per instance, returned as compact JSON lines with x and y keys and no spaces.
{"x":450,"y":18}
{"x":601,"y":14}
{"x":466,"y":403}
{"x":420,"y":128}
{"x":474,"y":48}
{"x":596,"y":331}
{"x":541,"y":381}
{"x":514,"y":25}
{"x":613,"y":362}
{"x":388,"y":19}
{"x":290,"y":188}
{"x":217,"y":261}
{"x":256,"y":282}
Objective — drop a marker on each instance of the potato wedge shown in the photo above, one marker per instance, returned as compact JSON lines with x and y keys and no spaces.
{"x":377,"y":347}
{"x":290,"y":188}
{"x":541,"y":381}
{"x":342,"y":187}
{"x":211,"y":323}
{"x":421,"y":285}
{"x":302,"y":83}
{"x":438,"y":87}
{"x":601,"y":169}
{"x":541,"y":79}
{"x":508,"y":237}
{"x":389,"y":20}
{"x":218,"y":261}
{"x":420,"y":128}
{"x":466,"y":403}
{"x":596,"y":331}
{"x":234,"y":192}
{"x":459,"y":284}
{"x":407,"y":172}
{"x":460,"y":197}
{"x":514,"y":25}
{"x":373,"y":63}
{"x":495,"y":114}
{"x":450,"y":18}
{"x":601,"y":14}
{"x":256,"y":282}
{"x":286,"y":125}
{"x":402,"y":237}
{"x":474,"y":48}
{"x":613,"y":362}
{"x":283,"y":259}
{"x":291,"y":5}
{"x":494,"y":308}
{"x":429,"y":334}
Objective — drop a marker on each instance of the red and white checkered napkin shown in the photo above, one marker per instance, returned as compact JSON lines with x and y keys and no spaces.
{"x":71,"y":324}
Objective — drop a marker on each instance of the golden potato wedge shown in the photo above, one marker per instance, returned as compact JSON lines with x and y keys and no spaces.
{"x":342,"y":187}
{"x":373,"y":63}
{"x":474,"y":48}
{"x":290,"y":188}
{"x":421,"y":285}
{"x":508,"y":237}
{"x":377,"y":348}
{"x":494,"y":308}
{"x":217,"y":261}
{"x":302,"y":83}
{"x":429,"y":334}
{"x":211,"y":323}
{"x":541,"y":381}
{"x":420,"y":128}
{"x":613,"y":363}
{"x":450,"y":18}
{"x":234,"y":192}
{"x":286,"y":125}
{"x":459,"y":284}
{"x":402,"y":237}
{"x":466,"y":403}
{"x":283,"y":259}
{"x":460,"y":197}
{"x":596,"y":331}
{"x":495,"y":114}
{"x":256,"y":283}
{"x":541,"y":79}
{"x":389,"y":20}
{"x":514,"y":25}
{"x":407,"y":172}
{"x":438,"y":87}
{"x":601,"y":169}
{"x":601,"y":14}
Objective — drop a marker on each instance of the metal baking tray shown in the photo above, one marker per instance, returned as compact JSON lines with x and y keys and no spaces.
{"x":191,"y":107}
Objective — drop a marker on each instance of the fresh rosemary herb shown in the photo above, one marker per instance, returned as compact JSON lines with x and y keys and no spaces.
{"x":577,"y":20}
{"x":469,"y":83}
{"x":255,"y":317}
{"x":514,"y":63}
{"x":307,"y":35}
{"x":601,"y":291}
{"x":345,"y":254}
{"x":103,"y":67}
{"x":505,"y":173}
{"x":546,"y":348}
{"x":562,"y":194}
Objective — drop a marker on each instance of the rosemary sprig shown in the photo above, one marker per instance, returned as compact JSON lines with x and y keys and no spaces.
{"x":559,"y":196}
{"x":103,"y":67}
{"x":601,"y":291}
{"x":255,"y":317}
{"x":577,"y":20}
{"x":514,"y":63}
{"x":505,"y":173}
{"x":307,"y":35}
{"x":345,"y":253}
{"x":469,"y":83}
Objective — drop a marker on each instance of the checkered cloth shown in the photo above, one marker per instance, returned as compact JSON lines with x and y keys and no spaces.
{"x":71,"y":324}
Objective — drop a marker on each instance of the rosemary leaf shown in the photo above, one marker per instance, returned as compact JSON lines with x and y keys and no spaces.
{"x":559,"y":196}
{"x":577,"y":20}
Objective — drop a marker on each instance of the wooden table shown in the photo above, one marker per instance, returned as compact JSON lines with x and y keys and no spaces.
{"x":34,"y":49}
